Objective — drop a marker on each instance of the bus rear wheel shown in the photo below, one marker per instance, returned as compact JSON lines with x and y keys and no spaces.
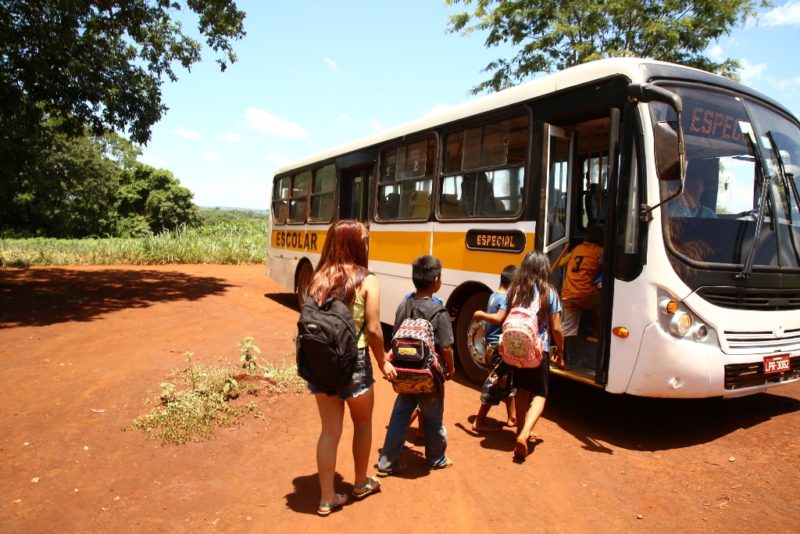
{"x":302,"y":280}
{"x":469,"y":338}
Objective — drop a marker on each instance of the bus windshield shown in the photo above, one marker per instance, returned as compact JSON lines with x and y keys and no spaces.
{"x":740,"y":208}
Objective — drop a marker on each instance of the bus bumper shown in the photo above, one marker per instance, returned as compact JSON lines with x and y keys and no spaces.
{"x":672,"y":368}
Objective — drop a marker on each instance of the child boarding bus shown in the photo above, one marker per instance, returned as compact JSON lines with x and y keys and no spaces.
{"x":694,"y":178}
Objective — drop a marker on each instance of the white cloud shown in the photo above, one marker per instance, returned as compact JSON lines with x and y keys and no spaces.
{"x":187,"y":134}
{"x":342,"y":117}
{"x":716,"y":53}
{"x":230,"y":137}
{"x":154,"y":161}
{"x":789,"y":84}
{"x":786,"y":15}
{"x":376,"y":125}
{"x":751,"y":73}
{"x":267,"y":123}
{"x":213,"y":156}
{"x":330,"y":63}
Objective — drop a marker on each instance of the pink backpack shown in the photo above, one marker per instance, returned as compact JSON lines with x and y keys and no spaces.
{"x":520,"y":344}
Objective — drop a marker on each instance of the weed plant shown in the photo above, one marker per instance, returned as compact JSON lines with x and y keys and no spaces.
{"x":196,"y":400}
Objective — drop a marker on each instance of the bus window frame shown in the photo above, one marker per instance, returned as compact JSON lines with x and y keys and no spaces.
{"x":333,"y":193}
{"x":280,"y":199}
{"x":304,"y":196}
{"x":524,"y":165}
{"x":379,"y":183}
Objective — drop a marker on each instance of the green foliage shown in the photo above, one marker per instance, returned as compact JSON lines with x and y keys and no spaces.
{"x":196,"y":400}
{"x":69,"y":68}
{"x":241,"y":242}
{"x":193,"y":408}
{"x":155,"y":198}
{"x":553,"y":35}
{"x":101,"y":63}
{"x":248,"y":354}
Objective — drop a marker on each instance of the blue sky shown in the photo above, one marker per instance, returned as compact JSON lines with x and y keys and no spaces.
{"x":314,"y":74}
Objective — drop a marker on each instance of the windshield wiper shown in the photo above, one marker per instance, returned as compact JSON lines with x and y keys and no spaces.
{"x":765,"y":182}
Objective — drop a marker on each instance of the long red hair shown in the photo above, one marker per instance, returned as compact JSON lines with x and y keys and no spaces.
{"x":343,"y":265}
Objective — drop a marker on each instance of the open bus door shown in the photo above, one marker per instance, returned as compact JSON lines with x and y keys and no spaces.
{"x":581,"y":158}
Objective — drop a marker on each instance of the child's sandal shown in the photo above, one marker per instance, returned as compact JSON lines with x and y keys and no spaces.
{"x":325,"y":508}
{"x":373,"y":485}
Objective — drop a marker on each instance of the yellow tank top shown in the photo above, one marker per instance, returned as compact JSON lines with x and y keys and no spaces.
{"x":358,"y":319}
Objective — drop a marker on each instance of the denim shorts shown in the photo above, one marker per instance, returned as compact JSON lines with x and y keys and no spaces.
{"x":360,"y":383}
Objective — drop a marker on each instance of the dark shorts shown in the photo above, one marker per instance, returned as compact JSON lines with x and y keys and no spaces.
{"x":360,"y":383}
{"x":498,"y":385}
{"x":536,"y":380}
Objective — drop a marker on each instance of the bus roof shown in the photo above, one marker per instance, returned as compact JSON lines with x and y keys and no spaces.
{"x":637,"y":70}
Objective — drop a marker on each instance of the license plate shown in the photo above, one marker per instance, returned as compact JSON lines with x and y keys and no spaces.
{"x":776,"y":364}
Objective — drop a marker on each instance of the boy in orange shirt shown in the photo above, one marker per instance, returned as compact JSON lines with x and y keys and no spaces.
{"x":579,"y":291}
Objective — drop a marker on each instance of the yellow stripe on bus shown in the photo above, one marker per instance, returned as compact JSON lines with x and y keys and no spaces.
{"x":449,"y":247}
{"x":398,"y":247}
{"x":300,"y":240}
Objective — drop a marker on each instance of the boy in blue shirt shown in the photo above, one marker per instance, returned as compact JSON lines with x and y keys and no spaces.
{"x":498,"y":385}
{"x":426,"y":273}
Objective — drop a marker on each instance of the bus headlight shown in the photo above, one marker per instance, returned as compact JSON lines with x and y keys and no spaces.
{"x":700,"y":332}
{"x":680,"y":324}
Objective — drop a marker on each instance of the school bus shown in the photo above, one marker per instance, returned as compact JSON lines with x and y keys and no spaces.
{"x":692,"y":304}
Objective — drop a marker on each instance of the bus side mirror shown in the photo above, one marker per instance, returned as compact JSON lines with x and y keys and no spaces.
{"x":668,"y":160}
{"x":668,"y":136}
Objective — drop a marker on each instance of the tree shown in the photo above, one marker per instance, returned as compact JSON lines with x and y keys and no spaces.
{"x":101,"y":63}
{"x":152,"y":200}
{"x":72,"y":66}
{"x":552,"y":35}
{"x":69,"y":190}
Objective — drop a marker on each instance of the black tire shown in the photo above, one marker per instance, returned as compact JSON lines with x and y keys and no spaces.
{"x":301,"y":283}
{"x":469,"y":346}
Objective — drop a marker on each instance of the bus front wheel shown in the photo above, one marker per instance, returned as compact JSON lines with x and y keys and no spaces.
{"x":469,"y":338}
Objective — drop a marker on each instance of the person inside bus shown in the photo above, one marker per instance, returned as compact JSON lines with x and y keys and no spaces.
{"x":579,"y":291}
{"x":477,"y":195}
{"x":688,"y":203}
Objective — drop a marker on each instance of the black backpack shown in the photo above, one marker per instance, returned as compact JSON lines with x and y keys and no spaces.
{"x":327,"y":344}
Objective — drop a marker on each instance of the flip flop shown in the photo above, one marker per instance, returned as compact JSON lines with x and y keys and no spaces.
{"x":373,"y":485}
{"x":325,"y":508}
{"x":520,"y":450}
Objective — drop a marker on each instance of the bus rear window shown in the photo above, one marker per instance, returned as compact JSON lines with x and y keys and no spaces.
{"x":280,"y":199}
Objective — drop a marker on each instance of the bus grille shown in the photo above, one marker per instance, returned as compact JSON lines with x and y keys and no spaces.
{"x":745,"y":375}
{"x":752,"y":299}
{"x":762,"y":341}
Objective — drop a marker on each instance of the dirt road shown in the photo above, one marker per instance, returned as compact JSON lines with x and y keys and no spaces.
{"x":82,"y":350}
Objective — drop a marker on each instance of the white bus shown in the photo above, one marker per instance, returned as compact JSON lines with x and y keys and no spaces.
{"x":691,"y":306}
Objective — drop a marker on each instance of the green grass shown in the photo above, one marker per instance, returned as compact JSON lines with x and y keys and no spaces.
{"x":239,"y":240}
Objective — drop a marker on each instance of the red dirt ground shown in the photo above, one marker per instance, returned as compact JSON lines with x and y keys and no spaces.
{"x":83,"y":349}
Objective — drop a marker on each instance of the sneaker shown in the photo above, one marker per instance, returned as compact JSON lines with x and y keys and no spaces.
{"x":447,"y":463}
{"x":391,"y":470}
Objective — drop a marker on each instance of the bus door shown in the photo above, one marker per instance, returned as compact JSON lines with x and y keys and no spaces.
{"x":354,"y":192}
{"x":577,"y":193}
